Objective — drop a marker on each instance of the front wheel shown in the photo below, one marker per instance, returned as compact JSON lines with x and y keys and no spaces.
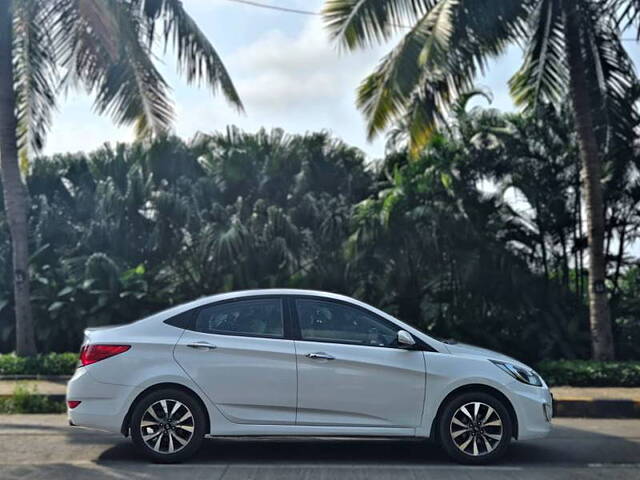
{"x":475,"y":428}
{"x":168,"y":425}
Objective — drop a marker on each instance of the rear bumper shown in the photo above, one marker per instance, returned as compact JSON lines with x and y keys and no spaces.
{"x":534,"y":407}
{"x":103,"y":405}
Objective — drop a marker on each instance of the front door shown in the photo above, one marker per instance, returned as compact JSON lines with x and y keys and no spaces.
{"x":238,"y":356}
{"x":351,"y":371}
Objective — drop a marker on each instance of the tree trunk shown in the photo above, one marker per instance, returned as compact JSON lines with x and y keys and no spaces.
{"x":15,"y":192}
{"x":601,"y":334}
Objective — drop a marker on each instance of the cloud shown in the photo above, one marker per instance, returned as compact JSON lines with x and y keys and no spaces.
{"x":290,"y":78}
{"x":288,"y":70}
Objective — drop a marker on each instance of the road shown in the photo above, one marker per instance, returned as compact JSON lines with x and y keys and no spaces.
{"x":44,"y":447}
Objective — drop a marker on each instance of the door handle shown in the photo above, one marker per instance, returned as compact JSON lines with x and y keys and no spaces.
{"x":202,"y":346}
{"x":320,"y":356}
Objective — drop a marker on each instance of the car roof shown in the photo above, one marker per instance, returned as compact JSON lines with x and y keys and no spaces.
{"x":256,"y":293}
{"x":276,"y":291}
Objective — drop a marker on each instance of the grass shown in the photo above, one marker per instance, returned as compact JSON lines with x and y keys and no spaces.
{"x":25,"y":399}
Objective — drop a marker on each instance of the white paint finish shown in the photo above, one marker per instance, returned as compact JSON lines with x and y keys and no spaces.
{"x":250,"y":379}
{"x":360,"y":386}
{"x":239,"y":430}
{"x":528,"y":403}
{"x":258,"y":386}
{"x":446,"y":373}
{"x":102,"y":406}
{"x":150,"y":355}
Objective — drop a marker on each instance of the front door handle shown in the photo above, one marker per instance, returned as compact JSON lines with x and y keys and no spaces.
{"x":202,"y":346}
{"x":320,"y":356}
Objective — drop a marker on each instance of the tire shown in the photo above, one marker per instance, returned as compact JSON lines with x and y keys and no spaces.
{"x":480,"y":437}
{"x":168,"y":438}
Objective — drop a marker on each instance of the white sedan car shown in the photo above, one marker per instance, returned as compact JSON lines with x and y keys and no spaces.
{"x":298,"y":362}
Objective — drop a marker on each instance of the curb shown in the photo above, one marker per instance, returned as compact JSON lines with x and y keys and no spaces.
{"x":55,"y":397}
{"x":596,"y":408}
{"x":50,"y":378}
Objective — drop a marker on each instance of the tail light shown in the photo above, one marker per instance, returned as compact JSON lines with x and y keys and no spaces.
{"x":94,"y":353}
{"x":73,"y":403}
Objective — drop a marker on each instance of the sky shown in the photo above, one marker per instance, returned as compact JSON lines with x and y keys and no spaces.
{"x":286,"y":70}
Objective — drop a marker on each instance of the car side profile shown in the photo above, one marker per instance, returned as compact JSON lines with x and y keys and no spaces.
{"x":298,"y":363}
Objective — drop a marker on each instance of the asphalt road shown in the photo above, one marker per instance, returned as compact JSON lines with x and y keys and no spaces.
{"x":44,"y":447}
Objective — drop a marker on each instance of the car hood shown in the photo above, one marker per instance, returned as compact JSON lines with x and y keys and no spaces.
{"x":465,"y":349}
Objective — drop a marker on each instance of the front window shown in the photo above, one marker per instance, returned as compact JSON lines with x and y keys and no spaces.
{"x":326,"y":321}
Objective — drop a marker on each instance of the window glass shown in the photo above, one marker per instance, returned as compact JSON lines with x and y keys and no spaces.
{"x":328,"y":321}
{"x":262,"y":317}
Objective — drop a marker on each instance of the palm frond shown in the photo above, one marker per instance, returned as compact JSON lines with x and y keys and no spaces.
{"x":435,"y":62}
{"x":197,"y":58}
{"x":361,"y":23}
{"x":99,"y":18}
{"x":543,"y":75}
{"x":133,"y":91}
{"x":627,"y":13}
{"x":125,"y":81}
{"x":425,"y":114}
{"x":611,"y":75}
{"x":35,"y":73}
{"x":383,"y":94}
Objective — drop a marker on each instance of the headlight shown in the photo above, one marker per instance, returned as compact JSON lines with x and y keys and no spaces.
{"x":521,"y":374}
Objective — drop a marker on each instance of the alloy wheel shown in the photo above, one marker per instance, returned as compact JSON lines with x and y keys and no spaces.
{"x":167,"y":426}
{"x":476,"y":429}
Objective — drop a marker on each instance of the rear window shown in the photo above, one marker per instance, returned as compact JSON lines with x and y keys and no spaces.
{"x":256,"y":317}
{"x":182,"y":320}
{"x":259,"y":318}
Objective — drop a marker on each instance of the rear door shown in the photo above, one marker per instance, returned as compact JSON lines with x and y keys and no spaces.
{"x":236,"y":351}
{"x":351,"y":371}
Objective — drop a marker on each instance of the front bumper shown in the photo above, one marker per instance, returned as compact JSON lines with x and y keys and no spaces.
{"x":103,"y":405}
{"x":534,"y":409}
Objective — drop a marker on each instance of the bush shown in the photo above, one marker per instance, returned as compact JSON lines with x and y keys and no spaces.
{"x":45,"y":364}
{"x":586,"y":373}
{"x":25,"y":399}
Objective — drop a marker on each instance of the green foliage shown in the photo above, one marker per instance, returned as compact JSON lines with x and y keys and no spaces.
{"x":444,"y":45}
{"x":43,"y":364}
{"x":25,"y":399}
{"x":588,"y":373}
{"x":129,"y":230}
{"x":107,"y":48}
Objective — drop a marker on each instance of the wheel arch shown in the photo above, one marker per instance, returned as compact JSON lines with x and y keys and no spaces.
{"x":475,"y":387}
{"x":124,"y":429}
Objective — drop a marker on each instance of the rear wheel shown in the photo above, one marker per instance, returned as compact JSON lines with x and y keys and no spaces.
{"x":168,"y":425}
{"x":475,"y":428}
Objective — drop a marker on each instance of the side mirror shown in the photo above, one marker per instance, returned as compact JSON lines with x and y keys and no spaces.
{"x":405,"y":339}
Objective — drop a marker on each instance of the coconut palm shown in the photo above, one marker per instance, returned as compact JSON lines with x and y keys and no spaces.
{"x":105,"y":47}
{"x":569,"y":45}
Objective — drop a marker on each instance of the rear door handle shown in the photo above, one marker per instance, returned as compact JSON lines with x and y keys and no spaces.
{"x":202,"y":346}
{"x":320,"y":356}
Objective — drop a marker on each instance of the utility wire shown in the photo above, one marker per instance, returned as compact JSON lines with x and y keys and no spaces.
{"x":275,"y":7}
{"x":309,"y":12}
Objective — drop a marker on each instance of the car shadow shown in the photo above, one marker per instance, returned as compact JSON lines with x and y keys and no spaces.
{"x":564,"y":446}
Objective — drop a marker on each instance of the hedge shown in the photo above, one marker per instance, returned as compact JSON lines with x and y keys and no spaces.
{"x":44,"y":364}
{"x":577,"y":373}
{"x":588,"y":373}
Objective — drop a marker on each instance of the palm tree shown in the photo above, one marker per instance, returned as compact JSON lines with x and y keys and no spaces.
{"x":569,"y":44}
{"x":105,"y":47}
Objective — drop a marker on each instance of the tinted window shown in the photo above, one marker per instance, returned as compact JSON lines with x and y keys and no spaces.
{"x":182,"y":320}
{"x":262,"y":317}
{"x":327,"y":321}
